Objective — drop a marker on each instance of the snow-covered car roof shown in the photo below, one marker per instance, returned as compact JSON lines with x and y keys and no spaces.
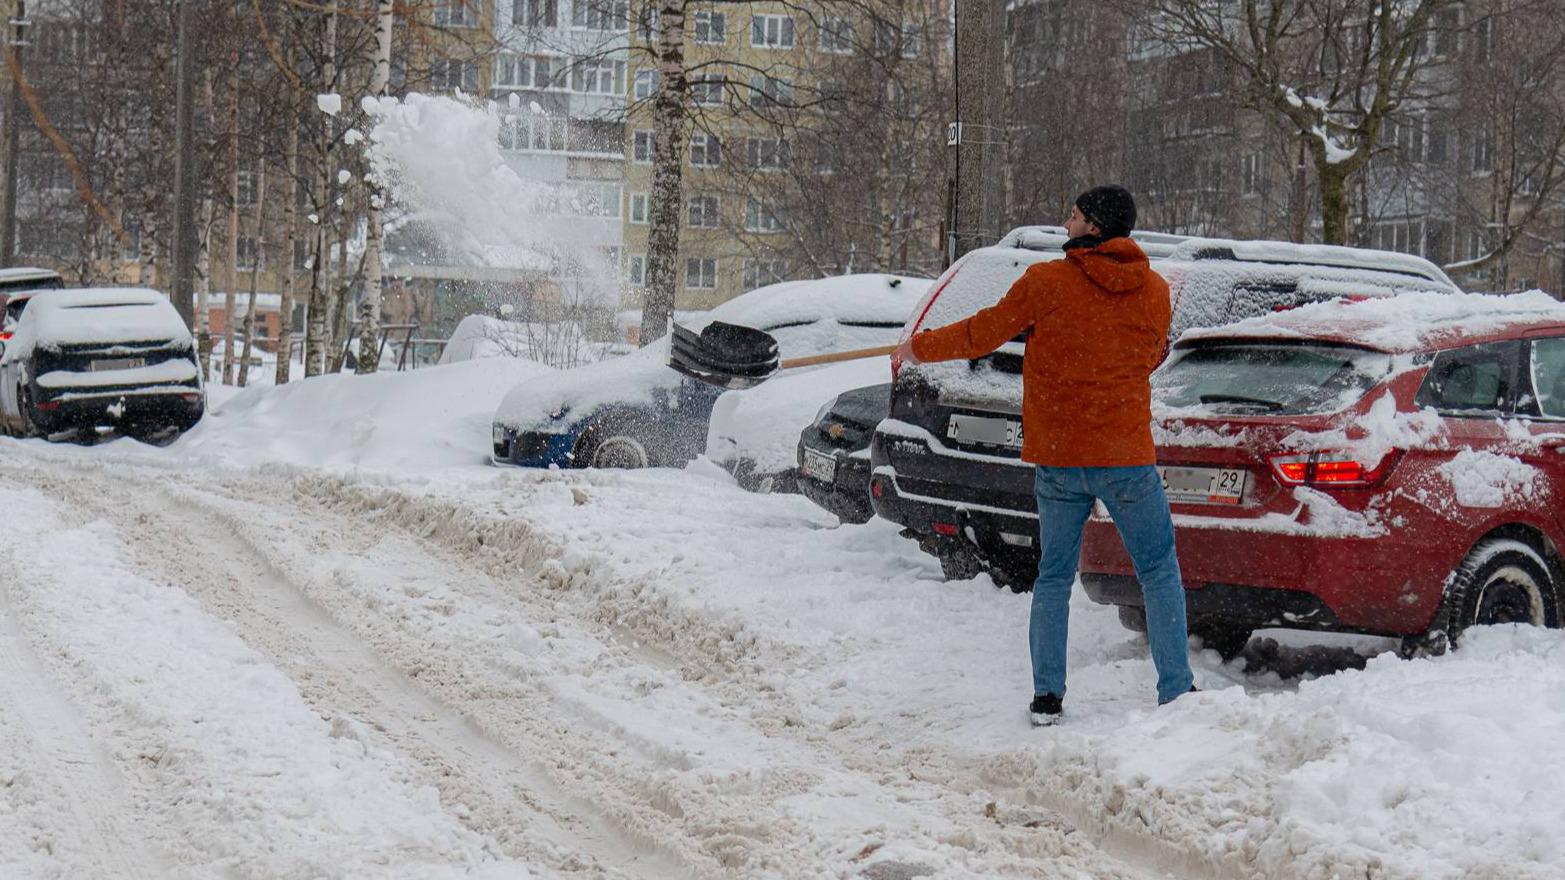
{"x":103,"y":314}
{"x":1405,"y":323}
{"x":1287,"y":252}
{"x":27,"y":278}
{"x":869,"y":299}
{"x":1053,"y":238}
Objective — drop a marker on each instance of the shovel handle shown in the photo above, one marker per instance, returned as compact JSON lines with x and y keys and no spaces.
{"x":836,"y":356}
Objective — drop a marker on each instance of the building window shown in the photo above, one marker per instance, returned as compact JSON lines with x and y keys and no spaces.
{"x":446,"y":74}
{"x":530,"y":131}
{"x":646,"y":84}
{"x":641,"y":147}
{"x":702,"y":212}
{"x":771,"y":31}
{"x":1250,"y":174}
{"x":711,"y":28}
{"x":707,"y":89}
{"x":1483,"y":150}
{"x":592,"y":199}
{"x":1410,"y":139}
{"x":638,"y":208}
{"x":705,"y":151}
{"x":759,"y":216}
{"x":535,"y":13}
{"x":248,"y":254}
{"x":457,"y":14}
{"x":1436,"y":141}
{"x":836,"y":36}
{"x":767,"y":154}
{"x":600,"y":77}
{"x":636,"y":269}
{"x":769,"y":90}
{"x":246,"y":189}
{"x":701,"y":273}
{"x":529,"y":71}
{"x":1483,"y":40}
{"x":759,"y":273}
{"x":902,"y":39}
{"x":600,"y":15}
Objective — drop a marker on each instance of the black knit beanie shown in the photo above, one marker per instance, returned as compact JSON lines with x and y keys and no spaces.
{"x":1111,"y":208}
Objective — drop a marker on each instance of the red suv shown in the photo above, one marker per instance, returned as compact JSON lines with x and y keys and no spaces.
{"x":1393,"y":467}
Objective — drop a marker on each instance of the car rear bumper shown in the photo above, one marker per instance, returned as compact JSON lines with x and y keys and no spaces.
{"x":1377,"y":585}
{"x":59,"y":409}
{"x":983,"y":503}
{"x":847,"y":494}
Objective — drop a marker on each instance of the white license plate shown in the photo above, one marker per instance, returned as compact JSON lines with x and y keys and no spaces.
{"x":103,"y":364}
{"x":979,"y":429}
{"x":1193,"y":485}
{"x":821,"y":467}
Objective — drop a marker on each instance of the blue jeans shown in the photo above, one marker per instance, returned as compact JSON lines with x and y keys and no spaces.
{"x":1134,"y":498}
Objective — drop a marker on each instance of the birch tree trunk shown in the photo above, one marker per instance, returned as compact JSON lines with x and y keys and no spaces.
{"x":233,"y":230}
{"x":248,"y":325}
{"x":669,"y":123}
{"x":290,"y":244}
{"x":204,"y":257}
{"x":369,"y":308}
{"x":316,"y":341}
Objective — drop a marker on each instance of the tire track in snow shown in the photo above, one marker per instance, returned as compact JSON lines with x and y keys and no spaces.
{"x":82,"y":783}
{"x":489,"y":787}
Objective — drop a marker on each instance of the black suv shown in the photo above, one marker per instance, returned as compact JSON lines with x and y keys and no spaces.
{"x":946,"y":464}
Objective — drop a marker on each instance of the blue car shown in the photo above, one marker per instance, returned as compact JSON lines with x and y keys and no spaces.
{"x":635,"y":411}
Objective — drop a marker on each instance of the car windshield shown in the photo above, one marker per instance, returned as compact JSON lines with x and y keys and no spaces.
{"x":1267,"y":378}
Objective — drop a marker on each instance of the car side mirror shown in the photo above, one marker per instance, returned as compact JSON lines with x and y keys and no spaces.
{"x":2,"y":349}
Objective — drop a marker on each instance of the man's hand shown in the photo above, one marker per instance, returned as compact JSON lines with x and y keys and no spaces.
{"x":904,"y":354}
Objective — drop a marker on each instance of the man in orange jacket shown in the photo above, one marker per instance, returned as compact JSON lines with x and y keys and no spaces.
{"x":1099,"y":326}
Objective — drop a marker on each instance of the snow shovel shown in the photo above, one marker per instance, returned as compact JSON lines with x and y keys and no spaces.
{"x":734,"y":356}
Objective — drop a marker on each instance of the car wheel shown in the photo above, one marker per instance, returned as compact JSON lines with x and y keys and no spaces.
{"x":1502,"y":580}
{"x":617,"y":451}
{"x":1223,"y":637}
{"x":1133,"y":618}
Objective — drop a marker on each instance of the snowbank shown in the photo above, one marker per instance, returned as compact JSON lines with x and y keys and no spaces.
{"x":412,"y":421}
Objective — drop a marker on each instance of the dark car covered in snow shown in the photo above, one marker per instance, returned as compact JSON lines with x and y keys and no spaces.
{"x":116,"y":358}
{"x":947,"y":462}
{"x":636,"y":411}
{"x":834,"y":452}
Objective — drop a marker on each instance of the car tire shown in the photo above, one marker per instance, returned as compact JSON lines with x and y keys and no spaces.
{"x":1227,"y":639}
{"x":1502,"y":580}
{"x":1133,"y":618}
{"x":616,"y":451}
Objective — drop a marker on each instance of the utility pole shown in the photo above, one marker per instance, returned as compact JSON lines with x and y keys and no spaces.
{"x":16,"y":39}
{"x":184,"y":173}
{"x":975,"y":183}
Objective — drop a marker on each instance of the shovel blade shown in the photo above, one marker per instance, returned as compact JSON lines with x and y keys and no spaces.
{"x":725,"y":355}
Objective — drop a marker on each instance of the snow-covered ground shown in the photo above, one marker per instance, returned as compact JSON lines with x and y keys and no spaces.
{"x":319,"y":637}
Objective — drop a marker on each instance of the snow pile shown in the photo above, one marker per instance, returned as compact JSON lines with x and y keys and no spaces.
{"x":762,"y":424}
{"x":417,"y":420}
{"x":1484,"y":479}
{"x":1439,"y":768}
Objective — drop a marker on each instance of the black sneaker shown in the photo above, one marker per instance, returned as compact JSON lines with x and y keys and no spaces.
{"x":1045,"y":710}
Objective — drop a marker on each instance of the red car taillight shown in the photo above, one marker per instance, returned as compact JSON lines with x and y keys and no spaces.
{"x":1329,"y":470}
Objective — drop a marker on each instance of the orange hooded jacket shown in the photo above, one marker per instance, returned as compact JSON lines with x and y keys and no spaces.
{"x":1099,"y":321}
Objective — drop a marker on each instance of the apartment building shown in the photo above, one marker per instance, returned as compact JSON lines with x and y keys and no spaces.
{"x":813,"y":136}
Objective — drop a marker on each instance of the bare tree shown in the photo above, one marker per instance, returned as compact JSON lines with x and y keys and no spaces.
{"x":369,"y":310}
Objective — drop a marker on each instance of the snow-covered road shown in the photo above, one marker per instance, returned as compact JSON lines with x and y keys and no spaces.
{"x":290,"y":646}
